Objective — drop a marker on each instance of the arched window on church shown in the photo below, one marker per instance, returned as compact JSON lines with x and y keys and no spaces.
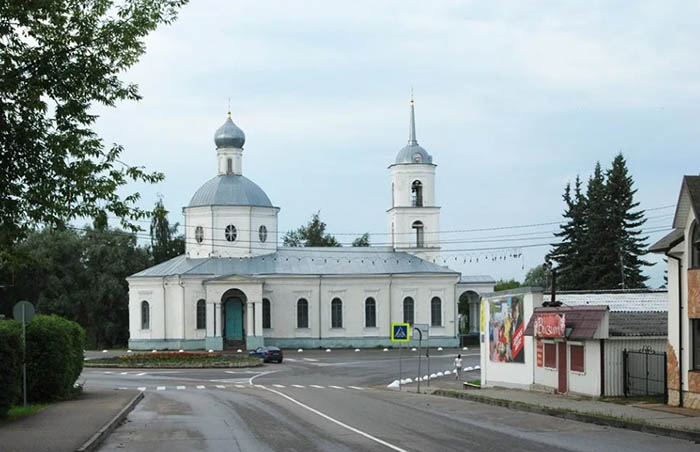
{"x":370,"y":313}
{"x":408,"y":310}
{"x":145,"y":316}
{"x":435,"y":312}
{"x":229,"y":166}
{"x":417,"y":193}
{"x":267,"y":322}
{"x":302,"y":313}
{"x":418,"y":227}
{"x":201,"y":314}
{"x":336,"y":313}
{"x":695,"y":245}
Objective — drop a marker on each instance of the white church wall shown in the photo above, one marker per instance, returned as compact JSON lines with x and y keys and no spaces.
{"x":402,"y":177}
{"x":198,"y":216}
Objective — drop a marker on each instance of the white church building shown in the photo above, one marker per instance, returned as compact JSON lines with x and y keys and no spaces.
{"x":235,"y":286}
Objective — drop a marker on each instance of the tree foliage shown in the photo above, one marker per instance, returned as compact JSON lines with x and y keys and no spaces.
{"x":313,"y":234}
{"x":506,"y":284}
{"x":166,"y":243}
{"x":59,"y":59}
{"x":537,"y":277}
{"x":601,"y":241}
{"x":362,"y":240}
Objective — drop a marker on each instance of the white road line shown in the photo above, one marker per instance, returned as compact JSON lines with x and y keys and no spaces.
{"x":356,"y":387}
{"x":317,"y":386}
{"x":160,"y":388}
{"x":298,"y":386}
{"x":180,"y":388}
{"x":278,"y":386}
{"x":141,"y":388}
{"x":260,"y":386}
{"x":141,"y":374}
{"x":123,"y":373}
{"x":221,"y":386}
{"x":325,"y":416}
{"x":335,"y":387}
{"x":291,"y":359}
{"x":123,"y":389}
{"x":109,"y":372}
{"x":240,"y":386}
{"x":311,"y":359}
{"x":250,"y":380}
{"x":200,"y":387}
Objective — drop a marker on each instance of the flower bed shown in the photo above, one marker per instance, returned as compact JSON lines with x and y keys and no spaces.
{"x":175,"y":360}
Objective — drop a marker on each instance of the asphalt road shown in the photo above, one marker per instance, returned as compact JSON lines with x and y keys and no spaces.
{"x":338,"y":401}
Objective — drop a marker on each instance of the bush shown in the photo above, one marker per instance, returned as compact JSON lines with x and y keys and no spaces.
{"x":54,"y":358}
{"x":10,"y":364}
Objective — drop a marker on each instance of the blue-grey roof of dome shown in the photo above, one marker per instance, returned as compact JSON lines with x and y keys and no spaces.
{"x":229,"y":135}
{"x":230,"y":190}
{"x":410,"y":152}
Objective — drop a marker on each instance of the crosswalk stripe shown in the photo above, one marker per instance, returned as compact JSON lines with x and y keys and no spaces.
{"x":180,"y":388}
{"x":278,"y":386}
{"x":317,"y":386}
{"x":160,"y":388}
{"x":240,"y":386}
{"x":310,"y":359}
{"x":123,"y":373}
{"x":141,"y":374}
{"x":298,"y":386}
{"x":221,"y":386}
{"x":141,"y":388}
{"x":108,"y":372}
{"x":335,"y":387}
{"x":259,"y":386}
{"x":355,"y":387}
{"x":200,"y":387}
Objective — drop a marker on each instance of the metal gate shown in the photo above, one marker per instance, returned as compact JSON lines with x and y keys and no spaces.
{"x":644,"y":373}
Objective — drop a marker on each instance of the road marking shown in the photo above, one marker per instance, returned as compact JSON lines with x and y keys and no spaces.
{"x":356,"y":387}
{"x":109,"y":372}
{"x":123,"y":389}
{"x":200,"y":387}
{"x":317,"y":386}
{"x":250,"y":380}
{"x":180,"y":388}
{"x":335,"y":387}
{"x":141,"y":374}
{"x":278,"y":386}
{"x":325,"y":416}
{"x":311,"y":359}
{"x":221,"y":386}
{"x":298,"y":386}
{"x":291,"y":359}
{"x":160,"y":388}
{"x":123,"y":373}
{"x":141,"y":388}
{"x":240,"y":386}
{"x":260,"y":386}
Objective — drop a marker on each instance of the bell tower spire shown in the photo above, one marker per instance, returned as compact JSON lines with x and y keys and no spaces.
{"x":412,"y":124}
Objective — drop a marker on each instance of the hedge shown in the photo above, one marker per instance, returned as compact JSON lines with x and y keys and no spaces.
{"x":10,"y":364}
{"x":54,"y":357}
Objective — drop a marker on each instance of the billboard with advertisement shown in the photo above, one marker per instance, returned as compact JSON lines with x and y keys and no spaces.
{"x":506,"y":330}
{"x":550,"y":325}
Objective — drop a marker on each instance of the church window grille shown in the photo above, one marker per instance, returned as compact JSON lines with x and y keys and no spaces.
{"x":262,"y":232}
{"x":201,"y":314}
{"x":266,"y":320}
{"x":231,"y":233}
{"x":370,"y":313}
{"x":408,"y":310}
{"x":302,"y":313}
{"x":417,"y":193}
{"x":418,"y":226}
{"x":145,"y":316}
{"x":336,"y":313}
{"x":435,"y":312}
{"x":199,"y":234}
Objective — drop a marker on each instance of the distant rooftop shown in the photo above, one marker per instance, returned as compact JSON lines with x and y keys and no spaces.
{"x":639,"y":300}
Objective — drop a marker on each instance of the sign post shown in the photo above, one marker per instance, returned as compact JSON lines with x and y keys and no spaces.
{"x":24,"y":312}
{"x":400,"y":332}
{"x":424,"y":332}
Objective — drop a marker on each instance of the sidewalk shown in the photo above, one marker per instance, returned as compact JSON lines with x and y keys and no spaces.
{"x":65,"y":426}
{"x":653,"y":418}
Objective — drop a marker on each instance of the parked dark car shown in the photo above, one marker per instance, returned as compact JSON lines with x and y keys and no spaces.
{"x":268,"y":354}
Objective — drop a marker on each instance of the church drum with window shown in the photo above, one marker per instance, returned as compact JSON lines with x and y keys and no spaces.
{"x":235,"y":286}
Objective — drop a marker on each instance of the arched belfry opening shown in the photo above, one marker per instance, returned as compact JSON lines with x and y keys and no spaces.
{"x":419,"y":234}
{"x":233,"y":315}
{"x":417,"y":193}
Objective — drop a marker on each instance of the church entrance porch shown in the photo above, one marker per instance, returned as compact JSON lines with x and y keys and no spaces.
{"x":236,"y":313}
{"x":233,"y":314}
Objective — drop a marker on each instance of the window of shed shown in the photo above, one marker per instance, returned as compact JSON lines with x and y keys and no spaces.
{"x":576,"y":358}
{"x":550,"y":355}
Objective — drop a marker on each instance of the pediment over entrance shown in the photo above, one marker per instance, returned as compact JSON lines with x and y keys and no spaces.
{"x":233,"y":279}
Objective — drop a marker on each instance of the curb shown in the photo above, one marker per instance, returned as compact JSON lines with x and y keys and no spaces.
{"x":687,"y":435}
{"x":96,"y":439}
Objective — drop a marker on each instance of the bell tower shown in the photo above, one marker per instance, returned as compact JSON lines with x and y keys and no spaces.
{"x":414,"y":218}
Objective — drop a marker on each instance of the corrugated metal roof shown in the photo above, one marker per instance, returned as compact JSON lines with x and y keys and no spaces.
{"x":618,"y":301}
{"x":638,"y":323}
{"x":302,"y":261}
{"x":668,"y":241}
{"x":476,"y":279}
{"x":230,"y":190}
{"x":583,"y":320}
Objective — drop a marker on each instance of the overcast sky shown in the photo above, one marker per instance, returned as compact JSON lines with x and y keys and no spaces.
{"x":513,"y":100}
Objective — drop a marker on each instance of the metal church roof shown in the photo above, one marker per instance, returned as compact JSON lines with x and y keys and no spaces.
{"x":229,"y":135}
{"x":302,"y":261}
{"x":617,"y":300}
{"x":230,"y":190}
{"x":412,"y":152}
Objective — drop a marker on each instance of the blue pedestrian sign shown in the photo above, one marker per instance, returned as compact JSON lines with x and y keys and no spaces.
{"x":400,"y":332}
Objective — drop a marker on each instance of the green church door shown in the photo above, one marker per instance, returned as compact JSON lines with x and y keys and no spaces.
{"x":234,"y":319}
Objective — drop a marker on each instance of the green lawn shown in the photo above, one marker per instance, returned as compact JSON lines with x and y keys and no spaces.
{"x":18,"y":412}
{"x":175,"y":360}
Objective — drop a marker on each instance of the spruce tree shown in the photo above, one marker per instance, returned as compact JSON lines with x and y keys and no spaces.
{"x":600,"y":256}
{"x":624,"y":223}
{"x":570,"y":253}
{"x":165,"y":244}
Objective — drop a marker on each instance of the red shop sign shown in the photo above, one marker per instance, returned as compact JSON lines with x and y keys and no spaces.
{"x":550,"y":325}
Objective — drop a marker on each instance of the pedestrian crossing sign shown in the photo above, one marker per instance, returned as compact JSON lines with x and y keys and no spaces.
{"x":400,"y":332}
